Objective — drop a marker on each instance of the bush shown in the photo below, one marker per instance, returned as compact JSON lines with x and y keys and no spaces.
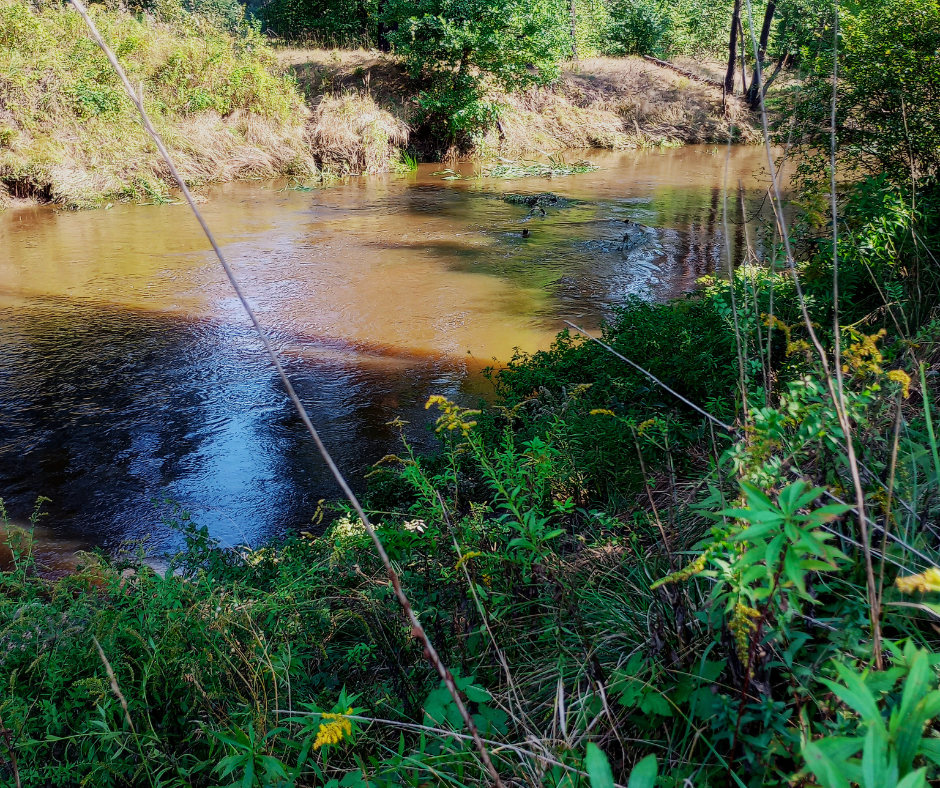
{"x":641,"y":27}
{"x":461,"y":50}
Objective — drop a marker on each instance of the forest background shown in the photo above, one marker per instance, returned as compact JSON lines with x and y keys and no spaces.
{"x":732,"y":586}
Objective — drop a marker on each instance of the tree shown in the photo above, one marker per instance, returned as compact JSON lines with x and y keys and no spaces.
{"x":888,"y":117}
{"x":461,"y":49}
{"x":733,"y":48}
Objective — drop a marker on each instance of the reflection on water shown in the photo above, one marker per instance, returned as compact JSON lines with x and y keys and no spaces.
{"x":128,"y":374}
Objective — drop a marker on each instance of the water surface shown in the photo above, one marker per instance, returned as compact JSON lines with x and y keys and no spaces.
{"x":128,"y":374}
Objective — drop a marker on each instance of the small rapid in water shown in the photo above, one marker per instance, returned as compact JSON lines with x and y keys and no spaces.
{"x":130,"y":377}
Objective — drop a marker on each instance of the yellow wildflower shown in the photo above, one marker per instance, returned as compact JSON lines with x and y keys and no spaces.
{"x":690,"y":570}
{"x":900,"y":376}
{"x":466,"y":557}
{"x":334,"y":731}
{"x":924,"y":582}
{"x":742,"y":625}
{"x":453,"y":417}
{"x":862,"y":355}
{"x":645,"y":426}
{"x":602,"y":412}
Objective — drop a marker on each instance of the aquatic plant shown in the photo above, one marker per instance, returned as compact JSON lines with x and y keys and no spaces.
{"x":556,"y":167}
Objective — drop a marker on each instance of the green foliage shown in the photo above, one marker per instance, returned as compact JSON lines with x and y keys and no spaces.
{"x":889,"y":748}
{"x":669,"y":28}
{"x":461,"y":49}
{"x":889,"y":101}
{"x":324,"y":21}
{"x":642,"y":27}
{"x":64,"y":103}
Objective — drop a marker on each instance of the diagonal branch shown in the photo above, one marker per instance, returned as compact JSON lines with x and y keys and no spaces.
{"x":416,"y":627}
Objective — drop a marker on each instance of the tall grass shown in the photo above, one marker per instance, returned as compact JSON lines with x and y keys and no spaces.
{"x":69,"y":134}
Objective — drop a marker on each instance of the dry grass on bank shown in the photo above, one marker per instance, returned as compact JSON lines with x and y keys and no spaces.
{"x":598,"y":102}
{"x":657,"y":103}
{"x":69,"y":135}
{"x":352,"y":134}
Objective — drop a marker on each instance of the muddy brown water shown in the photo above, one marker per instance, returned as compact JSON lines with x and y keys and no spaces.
{"x":129,"y":376}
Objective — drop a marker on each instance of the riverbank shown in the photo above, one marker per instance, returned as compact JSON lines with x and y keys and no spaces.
{"x":574,"y":558}
{"x":598,"y":102}
{"x":231,"y":107}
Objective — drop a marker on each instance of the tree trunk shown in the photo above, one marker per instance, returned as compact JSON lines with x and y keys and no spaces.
{"x":744,"y":90}
{"x":733,"y":49}
{"x":752,"y":96}
{"x":574,"y":31}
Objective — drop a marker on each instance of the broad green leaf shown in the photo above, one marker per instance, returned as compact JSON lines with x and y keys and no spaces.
{"x":793,"y":571}
{"x":930,"y":748}
{"x":916,"y":779}
{"x":644,"y":773}
{"x":917,"y":682}
{"x":756,"y":531}
{"x":827,"y":771}
{"x":808,"y":497}
{"x":875,"y":758}
{"x":598,"y":767}
{"x":756,"y":498}
{"x":773,"y":554}
{"x":855,"y":695}
{"x":825,"y":514}
{"x":477,"y":694}
{"x":654,"y":703}
{"x":931,"y":704}
{"x":814,"y":565}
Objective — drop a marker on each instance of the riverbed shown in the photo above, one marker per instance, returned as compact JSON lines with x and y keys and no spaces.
{"x":129,"y":377}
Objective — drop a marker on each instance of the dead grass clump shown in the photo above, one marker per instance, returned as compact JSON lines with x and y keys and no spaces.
{"x":243,"y":145}
{"x":353,"y":134}
{"x":542,"y":120}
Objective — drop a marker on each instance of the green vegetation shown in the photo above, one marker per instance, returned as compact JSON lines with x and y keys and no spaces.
{"x":460,"y":49}
{"x":625,"y":588}
{"x":68,"y":132}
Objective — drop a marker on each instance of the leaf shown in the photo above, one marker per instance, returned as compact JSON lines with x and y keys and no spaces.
{"x":773,"y":554}
{"x":917,"y":682}
{"x":756,"y":531}
{"x":654,"y":703}
{"x":793,"y":571}
{"x":477,"y":694}
{"x":875,"y":758}
{"x":644,"y":773}
{"x":825,"y":514}
{"x":598,"y":767}
{"x":855,"y":694}
{"x":916,"y":779}
{"x":827,"y":771}
{"x":930,"y":748}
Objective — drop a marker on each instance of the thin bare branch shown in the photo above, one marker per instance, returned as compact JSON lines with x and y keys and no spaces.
{"x":416,"y":627}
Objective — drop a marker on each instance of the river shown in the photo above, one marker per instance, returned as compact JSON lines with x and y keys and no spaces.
{"x":129,"y":376}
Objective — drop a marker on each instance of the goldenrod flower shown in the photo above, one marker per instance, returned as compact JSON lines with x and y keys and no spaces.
{"x":742,"y":625}
{"x":692,"y":569}
{"x":900,"y":376}
{"x":645,"y":426}
{"x":602,"y":412}
{"x":334,"y":731}
{"x":453,"y":417}
{"x":924,"y":582}
{"x":466,"y":557}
